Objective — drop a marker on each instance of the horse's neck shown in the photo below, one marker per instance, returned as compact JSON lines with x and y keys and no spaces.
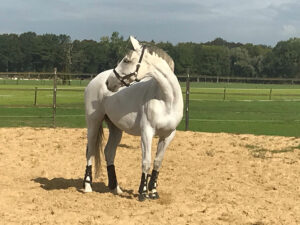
{"x":169,"y":86}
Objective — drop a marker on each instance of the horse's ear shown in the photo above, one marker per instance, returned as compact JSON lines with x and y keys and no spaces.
{"x":135,"y":43}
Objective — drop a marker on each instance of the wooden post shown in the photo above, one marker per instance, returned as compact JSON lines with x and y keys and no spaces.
{"x":187,"y":101}
{"x":54,"y":95}
{"x":224,"y":96}
{"x":35,"y":95}
{"x":270,"y":94}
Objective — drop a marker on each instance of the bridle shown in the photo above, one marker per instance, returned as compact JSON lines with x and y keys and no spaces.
{"x":135,"y":73}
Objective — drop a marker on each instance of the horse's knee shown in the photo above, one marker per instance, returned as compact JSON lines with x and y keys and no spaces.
{"x":146,"y":167}
{"x":157,"y":164}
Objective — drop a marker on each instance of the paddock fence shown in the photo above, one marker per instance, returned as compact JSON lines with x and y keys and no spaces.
{"x":230,"y":79}
{"x":48,"y":97}
{"x":81,"y":79}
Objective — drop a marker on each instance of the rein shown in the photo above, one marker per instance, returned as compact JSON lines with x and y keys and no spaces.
{"x":127,"y":76}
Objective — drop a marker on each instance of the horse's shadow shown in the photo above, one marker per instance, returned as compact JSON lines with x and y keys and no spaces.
{"x":63,"y":183}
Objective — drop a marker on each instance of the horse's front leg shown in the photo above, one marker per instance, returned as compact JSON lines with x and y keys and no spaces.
{"x":163,"y":143}
{"x":146,"y":142}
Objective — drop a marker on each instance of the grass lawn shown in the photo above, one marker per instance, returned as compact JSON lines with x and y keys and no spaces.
{"x":255,"y":117}
{"x":247,"y":107}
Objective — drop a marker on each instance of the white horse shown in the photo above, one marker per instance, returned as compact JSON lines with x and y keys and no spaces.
{"x":151,"y":107}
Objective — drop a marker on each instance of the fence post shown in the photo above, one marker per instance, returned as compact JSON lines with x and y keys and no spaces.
{"x":224,"y":96}
{"x":270,"y":94}
{"x":187,"y":101}
{"x":54,"y":95}
{"x":35,"y":95}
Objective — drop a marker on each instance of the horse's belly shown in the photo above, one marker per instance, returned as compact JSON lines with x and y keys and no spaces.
{"x":127,"y":123}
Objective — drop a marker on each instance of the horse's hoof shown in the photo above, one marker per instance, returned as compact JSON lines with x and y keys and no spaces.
{"x":143,"y":197}
{"x":117,"y":191}
{"x":87,"y":188}
{"x":154,"y":195}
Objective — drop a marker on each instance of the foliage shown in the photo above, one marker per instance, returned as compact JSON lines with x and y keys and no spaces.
{"x":32,"y":52}
{"x":284,"y":60}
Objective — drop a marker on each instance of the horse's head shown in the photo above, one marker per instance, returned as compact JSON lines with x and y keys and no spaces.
{"x":131,"y":65}
{"x":139,"y":62}
{"x":127,"y":70}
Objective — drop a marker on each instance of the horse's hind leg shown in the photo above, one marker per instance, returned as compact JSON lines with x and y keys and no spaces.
{"x":163,"y":143}
{"x":93,"y":130}
{"x":115,"y":135}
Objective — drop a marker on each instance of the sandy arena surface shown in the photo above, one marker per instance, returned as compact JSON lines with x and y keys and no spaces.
{"x":205,"y":179}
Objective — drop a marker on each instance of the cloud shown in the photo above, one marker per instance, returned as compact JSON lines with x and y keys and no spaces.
{"x":255,"y":21}
{"x":289,"y":30}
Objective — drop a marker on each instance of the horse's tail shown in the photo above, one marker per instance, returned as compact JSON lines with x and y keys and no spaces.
{"x":99,"y":151}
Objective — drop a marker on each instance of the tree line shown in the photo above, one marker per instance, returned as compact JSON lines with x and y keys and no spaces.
{"x":41,"y":53}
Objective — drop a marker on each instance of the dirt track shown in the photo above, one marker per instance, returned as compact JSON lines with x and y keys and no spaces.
{"x":205,"y":179}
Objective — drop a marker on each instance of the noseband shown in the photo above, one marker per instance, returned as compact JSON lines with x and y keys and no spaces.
{"x":128,"y":76}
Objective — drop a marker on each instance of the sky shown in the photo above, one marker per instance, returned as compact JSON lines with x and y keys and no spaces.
{"x":247,"y":21}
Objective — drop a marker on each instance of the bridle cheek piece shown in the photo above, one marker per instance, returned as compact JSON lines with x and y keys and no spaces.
{"x":135,"y":73}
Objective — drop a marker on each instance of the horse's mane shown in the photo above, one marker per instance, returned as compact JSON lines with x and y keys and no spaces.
{"x":162,"y":54}
{"x":152,"y":49}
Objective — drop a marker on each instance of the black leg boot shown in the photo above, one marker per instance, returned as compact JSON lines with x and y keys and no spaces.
{"x":143,"y":190}
{"x":88,"y":173}
{"x":153,"y":194}
{"x":112,"y":178}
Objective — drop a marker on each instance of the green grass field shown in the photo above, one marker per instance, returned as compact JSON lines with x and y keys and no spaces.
{"x":247,"y":108}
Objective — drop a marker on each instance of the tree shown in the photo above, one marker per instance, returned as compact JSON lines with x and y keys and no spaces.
{"x":241,"y":63}
{"x":79,"y":60}
{"x":212,"y":60}
{"x":286,"y":58}
{"x":10,"y":53}
{"x":32,"y":52}
{"x":27,"y":44}
{"x":184,"y":57}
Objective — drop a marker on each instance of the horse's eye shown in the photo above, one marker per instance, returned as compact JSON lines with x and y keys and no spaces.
{"x":126,"y":60}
